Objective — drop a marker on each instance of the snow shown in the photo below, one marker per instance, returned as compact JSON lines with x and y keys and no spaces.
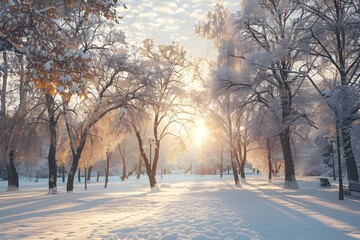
{"x":184,"y":207}
{"x":61,"y":89}
{"x":48,"y":65}
{"x":66,"y":78}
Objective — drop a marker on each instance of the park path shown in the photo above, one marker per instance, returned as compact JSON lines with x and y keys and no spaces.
{"x":184,"y":208}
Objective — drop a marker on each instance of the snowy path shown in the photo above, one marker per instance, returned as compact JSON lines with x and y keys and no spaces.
{"x":189,"y":212}
{"x":190,"y":208}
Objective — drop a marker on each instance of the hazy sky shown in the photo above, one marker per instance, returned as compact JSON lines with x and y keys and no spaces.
{"x":166,"y":21}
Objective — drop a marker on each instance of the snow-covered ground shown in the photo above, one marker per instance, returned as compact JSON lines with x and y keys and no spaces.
{"x":191,"y":207}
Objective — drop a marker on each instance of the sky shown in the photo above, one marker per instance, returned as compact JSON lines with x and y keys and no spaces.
{"x":166,"y":21}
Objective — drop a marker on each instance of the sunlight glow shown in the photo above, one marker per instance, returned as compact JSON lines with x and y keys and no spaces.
{"x":200,"y":133}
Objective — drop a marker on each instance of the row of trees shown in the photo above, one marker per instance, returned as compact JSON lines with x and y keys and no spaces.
{"x":277,"y":62}
{"x":73,"y":87}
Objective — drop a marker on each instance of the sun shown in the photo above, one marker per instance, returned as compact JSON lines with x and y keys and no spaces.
{"x":200,"y":133}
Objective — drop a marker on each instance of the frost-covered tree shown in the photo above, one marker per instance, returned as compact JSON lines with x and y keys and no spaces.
{"x":274,"y":63}
{"x":245,"y":135}
{"x":332,"y":33}
{"x":128,"y":152}
{"x":261,"y":59}
{"x":111,"y":89}
{"x":163,"y":73}
{"x":14,"y":113}
{"x":55,"y":38}
{"x":218,"y":27}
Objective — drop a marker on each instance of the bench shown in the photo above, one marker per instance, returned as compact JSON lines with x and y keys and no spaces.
{"x":324,"y":182}
{"x":353,"y":187}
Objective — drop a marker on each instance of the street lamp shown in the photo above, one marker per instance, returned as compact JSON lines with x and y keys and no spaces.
{"x":331,"y":141}
{"x":332,"y":158}
{"x":338,"y":150}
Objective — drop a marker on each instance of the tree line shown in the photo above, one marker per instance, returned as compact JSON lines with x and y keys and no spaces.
{"x":73,"y":89}
{"x":277,"y":62}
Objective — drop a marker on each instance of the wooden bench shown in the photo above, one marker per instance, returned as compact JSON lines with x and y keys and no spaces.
{"x":324,"y":182}
{"x":353,"y":187}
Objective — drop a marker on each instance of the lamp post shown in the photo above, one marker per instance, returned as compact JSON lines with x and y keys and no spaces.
{"x":338,"y":150}
{"x":330,"y":141}
{"x":332,"y":158}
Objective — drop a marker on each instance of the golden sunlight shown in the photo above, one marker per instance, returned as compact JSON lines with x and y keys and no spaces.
{"x":200,"y":133}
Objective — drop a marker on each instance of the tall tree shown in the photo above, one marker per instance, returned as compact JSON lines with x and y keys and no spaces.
{"x":263,"y":63}
{"x":54,"y":37}
{"x":112,"y":89}
{"x":273,"y":29}
{"x":14,"y":96}
{"x":332,"y":34}
{"x":163,"y":70}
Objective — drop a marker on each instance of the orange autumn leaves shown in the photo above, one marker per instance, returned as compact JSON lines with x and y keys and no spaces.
{"x":47,"y":32}
{"x":64,"y":72}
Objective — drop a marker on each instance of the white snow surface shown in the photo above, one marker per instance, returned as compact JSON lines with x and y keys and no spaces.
{"x":185,"y":207}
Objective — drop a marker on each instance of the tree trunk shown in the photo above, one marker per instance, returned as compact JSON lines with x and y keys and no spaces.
{"x":286,"y":109}
{"x":143,"y":157}
{"x":72,"y":172}
{"x":269,"y":157}
{"x":122,"y":153}
{"x":351,"y":167}
{"x":341,"y":187}
{"x":234,"y":169}
{"x":123,"y":176}
{"x":237,"y":159}
{"x":242,"y":170}
{"x":98,"y":176}
{"x":52,"y":169}
{"x":89,"y":173}
{"x":221,"y":161}
{"x":106,"y":176}
{"x":79,"y":175}
{"x":63,"y":173}
{"x":108,"y":155}
{"x":85,"y":179}
{"x":235,"y":173}
{"x":290,"y":180}
{"x":231,"y":142}
{"x":345,"y":123}
{"x":4,"y":156}
{"x":243,"y":156}
{"x":152,"y":180}
{"x":138,"y":173}
{"x":13,"y":178}
{"x":155,"y":162}
{"x":3,"y":92}
{"x":151,"y":170}
{"x":50,"y":104}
